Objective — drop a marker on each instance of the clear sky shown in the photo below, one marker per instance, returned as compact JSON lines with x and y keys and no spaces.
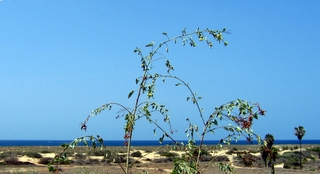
{"x":59,"y":60}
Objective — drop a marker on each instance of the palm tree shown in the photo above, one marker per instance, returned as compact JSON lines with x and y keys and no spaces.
{"x":299,"y":132}
{"x":269,"y":153}
{"x":269,"y":140}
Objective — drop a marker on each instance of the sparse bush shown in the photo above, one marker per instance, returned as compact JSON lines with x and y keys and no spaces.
{"x":306,"y":154}
{"x":230,"y":152}
{"x":291,"y":159}
{"x":313,"y":158}
{"x":285,"y":148}
{"x":18,"y":153}
{"x":6,"y":154}
{"x":167,"y":154}
{"x":255,"y":151}
{"x":94,"y":160}
{"x":287,"y":166}
{"x":314,"y":149}
{"x":136,"y":154}
{"x":45,"y":160}
{"x":119,"y":159}
{"x":304,"y":160}
{"x":45,"y":151}
{"x":222,"y":158}
{"x":206,"y":158}
{"x":66,"y":162}
{"x":97,"y":153}
{"x":147,"y":159}
{"x":11,"y":161}
{"x":247,"y":158}
{"x":288,"y":155}
{"x":234,"y":149}
{"x":79,"y":156}
{"x":195,"y":152}
{"x":33,"y":154}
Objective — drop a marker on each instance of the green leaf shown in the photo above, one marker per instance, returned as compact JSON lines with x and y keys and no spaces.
{"x":150,"y":44}
{"x":215,"y":122}
{"x":137,"y":50}
{"x":52,"y":169}
{"x":161,"y":139}
{"x":130,"y":94}
{"x":100,"y":140}
{"x":64,"y":145}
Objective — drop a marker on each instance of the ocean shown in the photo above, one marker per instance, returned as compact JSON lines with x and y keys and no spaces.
{"x":138,"y":142}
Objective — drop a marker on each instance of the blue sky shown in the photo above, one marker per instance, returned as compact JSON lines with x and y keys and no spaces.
{"x":62,"y":59}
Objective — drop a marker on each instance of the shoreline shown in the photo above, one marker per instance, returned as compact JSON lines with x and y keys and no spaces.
{"x":142,"y":142}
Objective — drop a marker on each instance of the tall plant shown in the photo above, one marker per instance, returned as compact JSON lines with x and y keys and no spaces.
{"x":299,"y":132}
{"x":239,"y":112}
{"x":269,"y":153}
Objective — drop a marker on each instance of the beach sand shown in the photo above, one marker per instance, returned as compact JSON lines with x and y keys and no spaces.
{"x":152,"y":159}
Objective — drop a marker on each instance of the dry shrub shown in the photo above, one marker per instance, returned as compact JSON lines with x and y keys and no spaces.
{"x":168,"y":154}
{"x":247,"y":158}
{"x":80,"y":156}
{"x":5,"y":155}
{"x":136,"y":154}
{"x":33,"y":154}
{"x":45,"y":151}
{"x":97,"y":153}
{"x":11,"y":161}
{"x":222,"y":158}
{"x":206,"y":157}
{"x":119,"y":159}
{"x":45,"y":160}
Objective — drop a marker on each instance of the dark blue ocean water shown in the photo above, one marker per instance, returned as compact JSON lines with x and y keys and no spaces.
{"x":136,"y":142}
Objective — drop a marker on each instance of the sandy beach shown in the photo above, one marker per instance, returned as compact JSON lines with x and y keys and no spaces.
{"x":154,"y":159}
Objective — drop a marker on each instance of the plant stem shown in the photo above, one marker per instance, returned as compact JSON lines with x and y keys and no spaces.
{"x":133,"y":115}
{"x":300,"y":157}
